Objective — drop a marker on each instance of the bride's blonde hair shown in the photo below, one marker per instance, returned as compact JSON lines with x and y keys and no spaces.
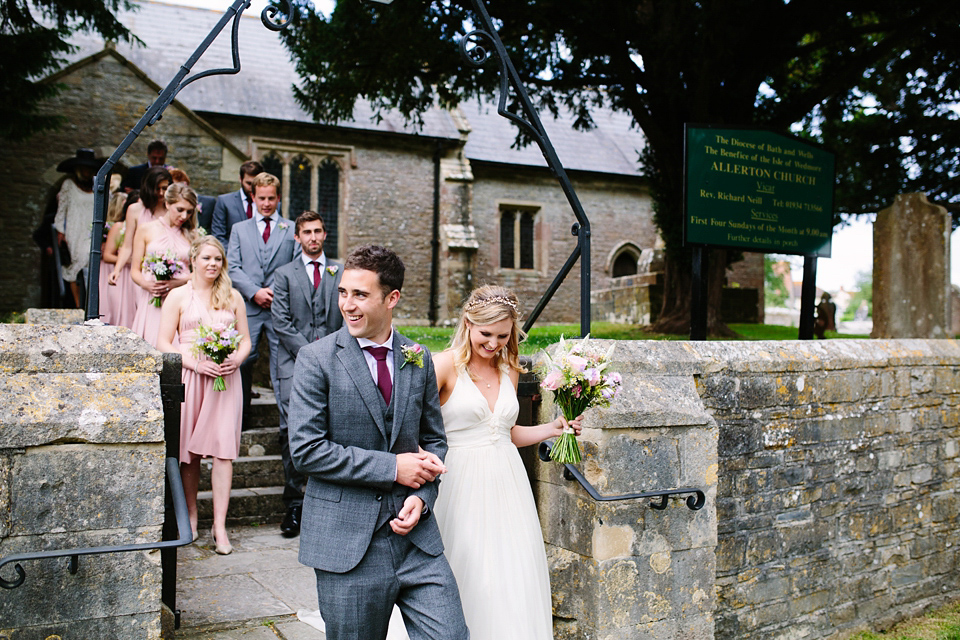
{"x":222,"y":291}
{"x":486,"y":305}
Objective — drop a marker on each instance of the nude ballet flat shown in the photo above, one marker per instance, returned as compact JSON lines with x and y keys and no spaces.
{"x":221,"y":549}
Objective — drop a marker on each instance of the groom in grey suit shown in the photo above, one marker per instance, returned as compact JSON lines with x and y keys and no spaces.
{"x":258,"y":247}
{"x":365,"y":428}
{"x":304,"y":310}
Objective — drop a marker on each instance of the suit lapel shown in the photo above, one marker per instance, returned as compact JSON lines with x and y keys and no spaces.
{"x":277,"y":236}
{"x":353,"y":360}
{"x":401,"y":385}
{"x":304,"y":284}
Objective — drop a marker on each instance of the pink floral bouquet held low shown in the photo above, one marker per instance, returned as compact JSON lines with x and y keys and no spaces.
{"x":576,"y":375}
{"x":163,"y":266}
{"x":217,"y":342}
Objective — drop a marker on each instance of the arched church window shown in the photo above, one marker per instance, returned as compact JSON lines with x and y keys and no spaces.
{"x":625,"y":264}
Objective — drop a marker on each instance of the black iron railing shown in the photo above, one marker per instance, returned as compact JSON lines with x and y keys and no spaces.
{"x":183,"y":529}
{"x":695,"y":501}
{"x":475,"y":53}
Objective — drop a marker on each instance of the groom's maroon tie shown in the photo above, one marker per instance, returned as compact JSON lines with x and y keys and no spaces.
{"x":383,"y":373}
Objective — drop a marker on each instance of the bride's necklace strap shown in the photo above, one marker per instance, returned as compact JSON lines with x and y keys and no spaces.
{"x":480,"y":378}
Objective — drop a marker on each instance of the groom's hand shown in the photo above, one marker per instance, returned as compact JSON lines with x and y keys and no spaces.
{"x":408,"y":517}
{"x":416,"y":469}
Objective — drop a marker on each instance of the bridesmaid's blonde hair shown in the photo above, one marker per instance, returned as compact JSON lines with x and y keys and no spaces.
{"x":182,"y":191}
{"x":486,"y":305}
{"x":222,"y":292}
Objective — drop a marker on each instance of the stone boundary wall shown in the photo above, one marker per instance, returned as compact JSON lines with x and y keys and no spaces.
{"x":831,"y":474}
{"x":837,"y":503}
{"x":81,"y":465}
{"x":622,"y":570}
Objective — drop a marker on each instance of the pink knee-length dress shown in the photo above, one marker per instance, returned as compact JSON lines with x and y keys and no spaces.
{"x":209,"y":420}
{"x":146,"y":322}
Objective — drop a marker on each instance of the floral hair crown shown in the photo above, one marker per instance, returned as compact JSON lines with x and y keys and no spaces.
{"x":482,"y":302}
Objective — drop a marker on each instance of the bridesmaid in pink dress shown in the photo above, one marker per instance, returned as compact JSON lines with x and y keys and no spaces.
{"x":117,"y":302}
{"x":209,"y":420}
{"x":171,"y":233}
{"x":150,"y":206}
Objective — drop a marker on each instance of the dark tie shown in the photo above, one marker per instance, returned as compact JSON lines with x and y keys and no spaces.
{"x":317,"y":275}
{"x":266,"y":229}
{"x":249,"y":208}
{"x":383,"y":373}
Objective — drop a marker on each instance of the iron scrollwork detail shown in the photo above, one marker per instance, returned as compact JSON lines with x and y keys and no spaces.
{"x":476,"y":48}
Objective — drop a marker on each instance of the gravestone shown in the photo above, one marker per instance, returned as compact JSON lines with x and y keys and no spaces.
{"x":911,"y":269}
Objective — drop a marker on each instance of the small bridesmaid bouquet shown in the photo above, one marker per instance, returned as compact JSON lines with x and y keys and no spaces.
{"x":163,"y":266}
{"x":576,"y":376}
{"x":217,"y":342}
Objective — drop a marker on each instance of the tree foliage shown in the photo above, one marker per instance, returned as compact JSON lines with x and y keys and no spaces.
{"x":861,"y":77}
{"x":34,"y":38}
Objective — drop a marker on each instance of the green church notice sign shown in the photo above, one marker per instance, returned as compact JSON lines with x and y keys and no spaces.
{"x":758,"y":190}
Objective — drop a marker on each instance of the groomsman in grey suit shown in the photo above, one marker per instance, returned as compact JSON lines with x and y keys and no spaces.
{"x":257,"y":248}
{"x":366,"y":430}
{"x":236,"y":206}
{"x":304,"y":310}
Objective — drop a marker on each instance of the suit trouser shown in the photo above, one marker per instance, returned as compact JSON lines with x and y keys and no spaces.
{"x":260,"y":325}
{"x":356,"y":605}
{"x":293,"y":479}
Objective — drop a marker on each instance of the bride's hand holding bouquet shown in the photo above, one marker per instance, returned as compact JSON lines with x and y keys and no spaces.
{"x":577,"y":376}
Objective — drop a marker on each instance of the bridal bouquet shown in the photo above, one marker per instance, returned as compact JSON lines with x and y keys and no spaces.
{"x":217,"y":342}
{"x":576,"y":375}
{"x":163,"y":266}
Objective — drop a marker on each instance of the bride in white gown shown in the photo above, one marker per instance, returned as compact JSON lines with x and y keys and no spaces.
{"x":485,"y":509}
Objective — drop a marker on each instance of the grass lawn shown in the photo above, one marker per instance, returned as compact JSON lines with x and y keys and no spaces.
{"x":437,"y":338}
{"x":940,"y":624}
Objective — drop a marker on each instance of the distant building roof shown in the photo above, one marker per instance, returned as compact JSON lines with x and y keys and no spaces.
{"x":263,"y":89}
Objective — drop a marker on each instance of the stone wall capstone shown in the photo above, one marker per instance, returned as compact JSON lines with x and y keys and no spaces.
{"x":81,"y":465}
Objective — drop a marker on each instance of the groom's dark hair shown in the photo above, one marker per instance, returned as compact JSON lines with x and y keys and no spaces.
{"x":385,"y":263}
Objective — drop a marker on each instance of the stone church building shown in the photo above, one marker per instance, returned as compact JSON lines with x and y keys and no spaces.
{"x":495,"y":213}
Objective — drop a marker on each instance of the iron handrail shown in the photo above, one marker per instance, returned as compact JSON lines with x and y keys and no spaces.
{"x":475,"y":57}
{"x":183,"y":530}
{"x":695,"y":502}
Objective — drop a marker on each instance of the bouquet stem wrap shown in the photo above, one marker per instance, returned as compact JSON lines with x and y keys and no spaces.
{"x":576,"y":376}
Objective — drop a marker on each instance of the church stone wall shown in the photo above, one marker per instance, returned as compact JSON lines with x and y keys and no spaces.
{"x":619,"y":210}
{"x":81,"y":465}
{"x":28,"y":168}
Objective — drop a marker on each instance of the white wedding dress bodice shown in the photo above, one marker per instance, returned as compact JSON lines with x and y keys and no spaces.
{"x":488,"y":519}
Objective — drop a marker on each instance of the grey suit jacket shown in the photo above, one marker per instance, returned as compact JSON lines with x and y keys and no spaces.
{"x":302,"y":315}
{"x":228,"y":211}
{"x":338,"y":439}
{"x":251,"y":263}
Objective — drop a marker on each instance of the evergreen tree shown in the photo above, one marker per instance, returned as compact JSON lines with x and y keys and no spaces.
{"x":856,"y":75}
{"x":34,"y":37}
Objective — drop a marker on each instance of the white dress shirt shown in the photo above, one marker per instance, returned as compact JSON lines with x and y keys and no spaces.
{"x":371,"y":361}
{"x":309,"y":267}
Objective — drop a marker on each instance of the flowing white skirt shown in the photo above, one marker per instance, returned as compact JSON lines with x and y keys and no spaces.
{"x":492,"y":539}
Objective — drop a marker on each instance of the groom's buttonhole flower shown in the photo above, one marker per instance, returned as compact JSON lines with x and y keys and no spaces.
{"x":412,"y":354}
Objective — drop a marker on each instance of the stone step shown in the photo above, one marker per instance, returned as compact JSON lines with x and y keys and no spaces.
{"x":263,"y":410}
{"x":260,"y":442}
{"x":248,"y":506}
{"x":248,"y":471}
